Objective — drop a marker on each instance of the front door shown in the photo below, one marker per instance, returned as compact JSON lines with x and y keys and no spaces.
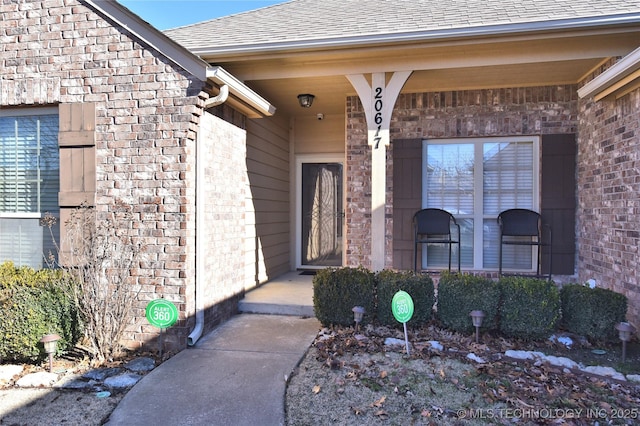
{"x":321,"y":214}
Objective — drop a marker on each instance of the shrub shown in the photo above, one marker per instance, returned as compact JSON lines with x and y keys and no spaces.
{"x":459,"y":294}
{"x":32,"y":304}
{"x":99,"y":260}
{"x":530,"y":307}
{"x":419,"y":287}
{"x":337,"y":291}
{"x":592,"y":313}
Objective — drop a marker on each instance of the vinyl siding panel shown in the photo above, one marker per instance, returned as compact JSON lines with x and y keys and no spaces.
{"x":268,"y":170}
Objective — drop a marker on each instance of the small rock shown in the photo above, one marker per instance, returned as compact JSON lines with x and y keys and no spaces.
{"x":435,"y":345}
{"x":560,"y":361}
{"x":8,"y":372}
{"x":74,"y":383}
{"x":141,"y":364}
{"x":100,"y":374}
{"x":604,"y":371}
{"x":39,"y":379}
{"x":566,"y":341}
{"x":122,"y":381}
{"x":524,"y":354}
{"x":392,"y":341}
{"x":476,"y":358}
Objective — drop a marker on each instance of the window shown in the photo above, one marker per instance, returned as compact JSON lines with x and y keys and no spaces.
{"x":29,"y":184}
{"x":475,"y":179}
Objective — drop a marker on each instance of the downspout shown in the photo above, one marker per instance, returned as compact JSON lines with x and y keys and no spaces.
{"x":196,"y":333}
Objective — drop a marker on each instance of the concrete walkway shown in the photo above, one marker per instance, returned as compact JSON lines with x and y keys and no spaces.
{"x":233,"y":376}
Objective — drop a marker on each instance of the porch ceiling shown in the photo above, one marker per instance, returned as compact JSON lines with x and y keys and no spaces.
{"x":330,"y":91}
{"x":455,"y":65}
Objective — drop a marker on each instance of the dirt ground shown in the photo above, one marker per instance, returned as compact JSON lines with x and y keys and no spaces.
{"x":353,"y":378}
{"x":51,"y":407}
{"x":55,"y":406}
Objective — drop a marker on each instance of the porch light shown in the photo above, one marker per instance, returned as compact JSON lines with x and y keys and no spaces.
{"x":50,"y":343}
{"x":358,"y":313}
{"x":305,"y":100}
{"x":625,"y":331}
{"x":476,"y":319}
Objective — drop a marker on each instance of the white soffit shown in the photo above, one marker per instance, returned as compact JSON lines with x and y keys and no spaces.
{"x":621,"y":78}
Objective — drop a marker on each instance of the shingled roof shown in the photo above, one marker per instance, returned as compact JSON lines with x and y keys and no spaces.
{"x":329,"y":21}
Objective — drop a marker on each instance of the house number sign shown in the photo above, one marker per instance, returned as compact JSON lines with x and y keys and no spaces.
{"x":161,"y":313}
{"x":377,"y":118}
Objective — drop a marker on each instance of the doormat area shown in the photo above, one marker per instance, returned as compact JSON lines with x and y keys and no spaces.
{"x":308,"y":272}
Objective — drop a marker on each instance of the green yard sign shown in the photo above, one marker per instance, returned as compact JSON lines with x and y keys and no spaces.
{"x":161,"y":313}
{"x":402,"y":306}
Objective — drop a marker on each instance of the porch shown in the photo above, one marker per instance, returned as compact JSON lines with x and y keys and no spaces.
{"x":288,"y":294}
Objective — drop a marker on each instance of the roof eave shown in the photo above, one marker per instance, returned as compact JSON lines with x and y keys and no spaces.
{"x":243,"y":98}
{"x":241,"y":92}
{"x":179,"y":55}
{"x":620,"y":75}
{"x":418,"y":36}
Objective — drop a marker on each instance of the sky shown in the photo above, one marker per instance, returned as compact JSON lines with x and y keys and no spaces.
{"x":165,"y":14}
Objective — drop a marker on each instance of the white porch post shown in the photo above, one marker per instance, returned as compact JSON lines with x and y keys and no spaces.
{"x":378,"y":101}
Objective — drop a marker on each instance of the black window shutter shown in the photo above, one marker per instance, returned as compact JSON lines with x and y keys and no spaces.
{"x":559,"y":200}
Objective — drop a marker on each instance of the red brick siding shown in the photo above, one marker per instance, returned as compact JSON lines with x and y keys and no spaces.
{"x":59,"y":51}
{"x":416,"y":116}
{"x":608,"y":202}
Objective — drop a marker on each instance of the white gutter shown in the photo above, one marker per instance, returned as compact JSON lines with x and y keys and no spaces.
{"x":217,"y":100}
{"x":220,"y":76}
{"x":429,"y":35}
{"x":624,"y":68}
{"x":196,"y":333}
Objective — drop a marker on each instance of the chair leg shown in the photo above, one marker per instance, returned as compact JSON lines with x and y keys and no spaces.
{"x":415,"y":257}
{"x":500,"y":257}
{"x":449,"y":257}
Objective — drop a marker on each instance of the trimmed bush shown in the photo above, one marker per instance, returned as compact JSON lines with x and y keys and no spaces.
{"x":592,"y":313}
{"x":32,"y":304}
{"x":530,"y":307}
{"x":459,"y":294}
{"x":419,"y":287}
{"x":337,"y":291}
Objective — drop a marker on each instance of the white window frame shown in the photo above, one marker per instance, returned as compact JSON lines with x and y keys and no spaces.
{"x":26,"y":112}
{"x":478,"y":215}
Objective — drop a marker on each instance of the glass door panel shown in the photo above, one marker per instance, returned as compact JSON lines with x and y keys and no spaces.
{"x":322,"y":214}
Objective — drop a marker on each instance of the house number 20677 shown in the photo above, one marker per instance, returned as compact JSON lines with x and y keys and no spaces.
{"x":377,"y":106}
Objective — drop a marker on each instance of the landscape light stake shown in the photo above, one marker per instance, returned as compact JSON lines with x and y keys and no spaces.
{"x":625,"y":331}
{"x":50,"y":343}
{"x":476,"y":318}
{"x":358,"y":313}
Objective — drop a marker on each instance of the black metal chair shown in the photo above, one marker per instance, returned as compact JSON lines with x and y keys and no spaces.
{"x":523,"y":227}
{"x":433,"y":226}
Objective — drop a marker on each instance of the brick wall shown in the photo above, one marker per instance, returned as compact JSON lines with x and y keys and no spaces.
{"x":59,"y":51}
{"x":608,"y":202}
{"x":416,"y":116}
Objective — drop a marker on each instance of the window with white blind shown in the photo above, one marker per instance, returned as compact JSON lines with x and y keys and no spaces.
{"x":476,"y":179}
{"x":29,"y":184}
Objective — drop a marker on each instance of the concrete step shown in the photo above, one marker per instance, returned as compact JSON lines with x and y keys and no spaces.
{"x":275,"y":309}
{"x":290,"y":294}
